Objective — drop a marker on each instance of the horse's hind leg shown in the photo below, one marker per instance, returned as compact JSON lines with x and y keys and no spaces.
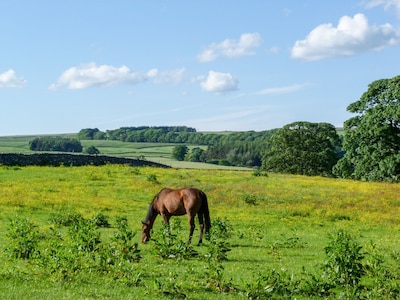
{"x":192,"y":227}
{"x":201,"y":222}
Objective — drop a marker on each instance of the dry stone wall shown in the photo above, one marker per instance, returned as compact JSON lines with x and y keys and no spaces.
{"x":59,"y":159}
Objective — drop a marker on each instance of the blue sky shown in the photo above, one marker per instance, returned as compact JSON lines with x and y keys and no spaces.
{"x":211,"y":65}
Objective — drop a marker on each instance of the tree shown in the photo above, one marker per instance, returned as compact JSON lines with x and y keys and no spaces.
{"x":303,"y":148}
{"x":196,"y":155}
{"x":179,"y":152}
{"x":372,"y":137}
{"x":88,"y":133}
{"x":92,"y":150}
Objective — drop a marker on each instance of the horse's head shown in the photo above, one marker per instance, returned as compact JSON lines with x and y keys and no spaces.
{"x":146,"y":232}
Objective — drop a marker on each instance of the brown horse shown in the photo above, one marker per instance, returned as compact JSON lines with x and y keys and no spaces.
{"x":169,"y":202}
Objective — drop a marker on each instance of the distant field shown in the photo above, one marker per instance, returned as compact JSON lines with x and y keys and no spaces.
{"x":156,"y":152}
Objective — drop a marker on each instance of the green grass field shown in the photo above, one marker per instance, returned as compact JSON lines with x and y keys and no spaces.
{"x":275,"y":227}
{"x":156,"y":152}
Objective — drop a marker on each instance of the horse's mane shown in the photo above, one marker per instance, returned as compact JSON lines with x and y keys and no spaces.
{"x":151,"y":211}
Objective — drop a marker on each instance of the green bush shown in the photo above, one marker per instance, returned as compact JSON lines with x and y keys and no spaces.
{"x":127,"y":250}
{"x":101,"y":220}
{"x":152,"y":178}
{"x":85,"y":235}
{"x":92,"y":150}
{"x":250,"y":199}
{"x":65,"y":218}
{"x":217,"y":253}
{"x":344,"y":263}
{"x":24,"y":238}
{"x":168,"y":245}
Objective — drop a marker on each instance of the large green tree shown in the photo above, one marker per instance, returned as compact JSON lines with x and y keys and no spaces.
{"x":196,"y":155}
{"x":88,"y":133}
{"x":303,"y":148}
{"x":372,"y":136}
{"x":179,"y":152}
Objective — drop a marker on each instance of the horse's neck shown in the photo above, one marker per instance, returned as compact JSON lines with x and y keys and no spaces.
{"x":151,"y":214}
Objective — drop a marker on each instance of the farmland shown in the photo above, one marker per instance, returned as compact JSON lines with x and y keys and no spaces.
{"x":156,"y":152}
{"x":269,"y":239}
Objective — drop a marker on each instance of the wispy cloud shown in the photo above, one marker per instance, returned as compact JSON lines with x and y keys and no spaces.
{"x":9,"y":79}
{"x":274,"y":50}
{"x":351,"y":36}
{"x":282,"y":90}
{"x":219,"y":83}
{"x":172,"y":77}
{"x":224,"y":121}
{"x":231,"y":48}
{"x":387,"y":4}
{"x":236,"y":118}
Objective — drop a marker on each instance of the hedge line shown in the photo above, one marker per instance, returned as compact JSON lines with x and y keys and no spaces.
{"x":59,"y":159}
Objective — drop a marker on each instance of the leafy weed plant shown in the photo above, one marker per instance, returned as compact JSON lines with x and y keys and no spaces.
{"x":250,"y":199}
{"x":344,"y":263}
{"x":85,"y":236}
{"x":24,"y":238}
{"x":217,"y":251}
{"x":65,"y":219}
{"x":168,"y":245}
{"x":126,"y":249}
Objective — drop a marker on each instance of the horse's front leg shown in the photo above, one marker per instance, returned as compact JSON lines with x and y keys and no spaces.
{"x":166,"y":222}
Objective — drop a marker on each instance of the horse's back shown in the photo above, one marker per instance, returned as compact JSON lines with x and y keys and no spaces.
{"x":181,"y":201}
{"x":192,"y":198}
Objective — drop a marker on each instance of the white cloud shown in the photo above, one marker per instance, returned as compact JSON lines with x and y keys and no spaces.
{"x":282,"y":90}
{"x":91,"y":75}
{"x":9,"y":79}
{"x":351,"y":36}
{"x":219,"y":83}
{"x":387,"y":4}
{"x":231,"y":48}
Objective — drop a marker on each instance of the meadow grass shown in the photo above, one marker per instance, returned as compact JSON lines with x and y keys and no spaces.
{"x":277,"y":222}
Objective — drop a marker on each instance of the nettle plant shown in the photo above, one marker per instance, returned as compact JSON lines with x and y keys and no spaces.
{"x":79,"y":247}
{"x":344,"y":263}
{"x":24,"y":238}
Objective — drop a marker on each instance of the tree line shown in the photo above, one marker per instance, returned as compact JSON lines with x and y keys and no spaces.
{"x":368,"y":150}
{"x":225,"y":148}
{"x":61,"y":144}
{"x":169,"y":134}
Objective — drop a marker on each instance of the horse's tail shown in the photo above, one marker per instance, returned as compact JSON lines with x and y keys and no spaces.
{"x":206,"y":212}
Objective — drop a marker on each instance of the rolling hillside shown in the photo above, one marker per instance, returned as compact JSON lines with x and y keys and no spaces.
{"x":156,"y":152}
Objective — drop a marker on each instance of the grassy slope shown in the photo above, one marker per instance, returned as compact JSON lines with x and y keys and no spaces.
{"x":286,"y":230}
{"x":157,"y":152}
